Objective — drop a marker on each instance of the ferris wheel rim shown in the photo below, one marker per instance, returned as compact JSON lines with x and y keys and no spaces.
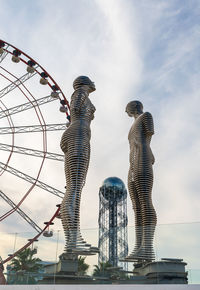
{"x":30,"y":58}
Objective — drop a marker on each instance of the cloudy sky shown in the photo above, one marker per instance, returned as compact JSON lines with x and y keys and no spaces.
{"x":146,"y":50}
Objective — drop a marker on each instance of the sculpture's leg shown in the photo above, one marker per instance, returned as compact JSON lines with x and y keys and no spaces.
{"x":149,"y":224}
{"x":144,"y":183}
{"x":76,"y":170}
{"x":134,"y":195}
{"x":63,"y":216}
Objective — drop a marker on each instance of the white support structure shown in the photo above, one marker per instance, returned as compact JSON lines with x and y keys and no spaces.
{"x":19,"y":211}
{"x":26,"y":106}
{"x":32,"y":129}
{"x":32,"y":180}
{"x":31,"y":152}
{"x":16,"y":84}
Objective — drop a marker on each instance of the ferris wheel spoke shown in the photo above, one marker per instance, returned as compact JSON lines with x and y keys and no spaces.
{"x":26,"y":106}
{"x":20,"y":212}
{"x":31,"y":180}
{"x":16,"y":83}
{"x":33,"y":129}
{"x":31,"y":152}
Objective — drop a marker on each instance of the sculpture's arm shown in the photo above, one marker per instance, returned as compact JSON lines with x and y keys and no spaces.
{"x":78,"y":99}
{"x":148,"y":123}
{"x":149,"y":130}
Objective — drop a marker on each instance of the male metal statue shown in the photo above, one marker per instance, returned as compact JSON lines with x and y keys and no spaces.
{"x":75,"y":144}
{"x":140,"y":181}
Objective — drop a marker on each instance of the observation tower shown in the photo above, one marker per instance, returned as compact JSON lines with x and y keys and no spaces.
{"x":113,"y":221}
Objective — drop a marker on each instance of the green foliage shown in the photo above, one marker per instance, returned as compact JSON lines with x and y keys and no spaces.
{"x":107,"y":270}
{"x":82,"y":266}
{"x":102,"y":270}
{"x":24,"y":267}
{"x":25,"y":261}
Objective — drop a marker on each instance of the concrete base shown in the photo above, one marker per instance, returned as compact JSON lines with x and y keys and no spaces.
{"x":65,"y":272}
{"x":68,"y":264}
{"x":66,"y":279}
{"x":166,"y":271}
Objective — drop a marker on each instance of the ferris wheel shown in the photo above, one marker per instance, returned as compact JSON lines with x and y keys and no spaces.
{"x":27,"y":92}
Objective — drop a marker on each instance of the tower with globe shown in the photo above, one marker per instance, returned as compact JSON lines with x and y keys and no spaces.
{"x":113,"y":222}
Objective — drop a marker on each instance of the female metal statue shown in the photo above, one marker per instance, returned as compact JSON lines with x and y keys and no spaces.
{"x":75,"y":144}
{"x":140,"y":180}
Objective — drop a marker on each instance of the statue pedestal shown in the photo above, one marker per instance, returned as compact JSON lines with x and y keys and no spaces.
{"x":67,"y":264}
{"x":61,"y":272}
{"x":64,"y":272}
{"x":166,"y":271}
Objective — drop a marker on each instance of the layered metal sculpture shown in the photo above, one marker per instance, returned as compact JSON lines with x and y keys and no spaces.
{"x":75,"y":144}
{"x":140,"y":181}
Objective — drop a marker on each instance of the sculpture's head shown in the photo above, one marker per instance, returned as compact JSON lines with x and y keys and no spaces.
{"x":134,"y":108}
{"x":84,"y":81}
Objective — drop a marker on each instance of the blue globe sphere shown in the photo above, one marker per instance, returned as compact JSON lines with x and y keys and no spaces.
{"x":113,"y":188}
{"x":114,"y":181}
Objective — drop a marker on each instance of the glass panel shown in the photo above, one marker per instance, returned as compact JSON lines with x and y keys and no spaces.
{"x":172,"y":242}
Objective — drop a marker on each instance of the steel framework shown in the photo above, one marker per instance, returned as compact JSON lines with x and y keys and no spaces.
{"x":31,"y":152}
{"x":31,"y":180}
{"x":32,"y":129}
{"x":15,"y":84}
{"x":26,"y":106}
{"x":21,"y":212}
{"x":113,"y":221}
